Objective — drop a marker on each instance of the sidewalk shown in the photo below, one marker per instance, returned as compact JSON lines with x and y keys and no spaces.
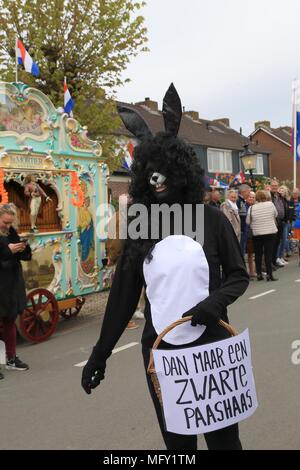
{"x":95,"y":304}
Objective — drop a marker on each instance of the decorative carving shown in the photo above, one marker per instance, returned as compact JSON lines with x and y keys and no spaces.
{"x":76,"y":191}
{"x":33,"y":190}
{"x":78,"y":139}
{"x":3,"y":192}
{"x":28,"y":161}
{"x":22,"y":115}
{"x":46,"y":178}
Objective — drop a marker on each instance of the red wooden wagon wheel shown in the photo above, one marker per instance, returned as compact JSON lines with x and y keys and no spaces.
{"x":40,"y":316}
{"x":72,"y":310}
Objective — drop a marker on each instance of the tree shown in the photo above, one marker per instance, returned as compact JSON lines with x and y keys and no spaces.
{"x":90,"y":42}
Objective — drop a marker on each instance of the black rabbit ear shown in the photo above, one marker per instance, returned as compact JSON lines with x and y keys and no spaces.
{"x":134,"y":122}
{"x":172,"y":110}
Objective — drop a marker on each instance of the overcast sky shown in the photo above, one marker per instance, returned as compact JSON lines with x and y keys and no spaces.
{"x":227,"y":58}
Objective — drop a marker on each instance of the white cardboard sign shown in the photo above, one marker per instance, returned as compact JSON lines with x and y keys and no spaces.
{"x":208,"y":387}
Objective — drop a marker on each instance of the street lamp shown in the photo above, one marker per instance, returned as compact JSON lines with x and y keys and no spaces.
{"x":249,"y":160}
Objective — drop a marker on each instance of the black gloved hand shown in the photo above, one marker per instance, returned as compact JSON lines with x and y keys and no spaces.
{"x":201,"y":316}
{"x":93,"y":373}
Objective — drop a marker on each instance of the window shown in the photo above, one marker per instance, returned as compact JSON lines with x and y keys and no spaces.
{"x":259,"y":170}
{"x":219,"y":161}
{"x":259,"y":165}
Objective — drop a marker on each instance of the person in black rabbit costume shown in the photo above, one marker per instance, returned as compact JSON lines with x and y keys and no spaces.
{"x":181,"y":277}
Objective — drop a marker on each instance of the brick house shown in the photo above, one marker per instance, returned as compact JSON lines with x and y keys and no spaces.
{"x":278,"y":140}
{"x":118,"y":183}
{"x":216,"y":144}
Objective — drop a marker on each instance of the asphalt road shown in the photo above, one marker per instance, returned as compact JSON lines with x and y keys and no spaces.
{"x":45,"y":407}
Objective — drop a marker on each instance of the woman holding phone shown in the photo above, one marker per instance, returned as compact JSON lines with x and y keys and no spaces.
{"x":12,"y":285}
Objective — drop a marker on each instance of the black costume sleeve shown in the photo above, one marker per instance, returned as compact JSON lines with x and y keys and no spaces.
{"x":122,"y":301}
{"x":235,"y":276}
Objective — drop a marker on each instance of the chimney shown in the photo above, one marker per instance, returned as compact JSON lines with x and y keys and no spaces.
{"x":224,"y":121}
{"x":193,"y":114}
{"x":266,"y":124}
{"x":153,"y":105}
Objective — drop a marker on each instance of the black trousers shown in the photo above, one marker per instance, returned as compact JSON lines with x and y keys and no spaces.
{"x":222,"y":439}
{"x":264,"y":244}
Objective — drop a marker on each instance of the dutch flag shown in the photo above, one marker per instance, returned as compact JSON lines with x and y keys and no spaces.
{"x":25,"y":59}
{"x":128,"y":156}
{"x":68,"y":102}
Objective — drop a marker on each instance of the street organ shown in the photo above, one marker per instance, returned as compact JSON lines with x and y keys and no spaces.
{"x":57,"y":178}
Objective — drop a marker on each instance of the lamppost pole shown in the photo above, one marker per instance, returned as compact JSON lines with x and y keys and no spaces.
{"x":252,"y":180}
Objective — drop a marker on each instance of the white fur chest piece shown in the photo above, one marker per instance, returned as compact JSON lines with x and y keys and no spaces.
{"x":177,"y":278}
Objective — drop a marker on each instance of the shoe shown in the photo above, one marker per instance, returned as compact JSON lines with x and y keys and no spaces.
{"x":260,"y":277}
{"x":138,"y":314}
{"x":283,"y":261}
{"x":279,"y":262}
{"x":271,"y":278}
{"x":16,"y":364}
{"x":1,"y":376}
{"x":131,"y":325}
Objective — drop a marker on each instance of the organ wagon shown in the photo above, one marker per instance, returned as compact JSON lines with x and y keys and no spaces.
{"x":68,"y":246}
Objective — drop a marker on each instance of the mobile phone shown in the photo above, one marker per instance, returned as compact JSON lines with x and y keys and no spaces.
{"x":24,"y":240}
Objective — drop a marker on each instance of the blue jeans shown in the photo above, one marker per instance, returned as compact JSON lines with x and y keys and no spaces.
{"x":243,"y":241}
{"x":288,"y":248}
{"x":283,"y":240}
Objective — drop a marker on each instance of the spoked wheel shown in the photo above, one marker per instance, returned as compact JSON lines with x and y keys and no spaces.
{"x":73,"y":310}
{"x":40,"y":317}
